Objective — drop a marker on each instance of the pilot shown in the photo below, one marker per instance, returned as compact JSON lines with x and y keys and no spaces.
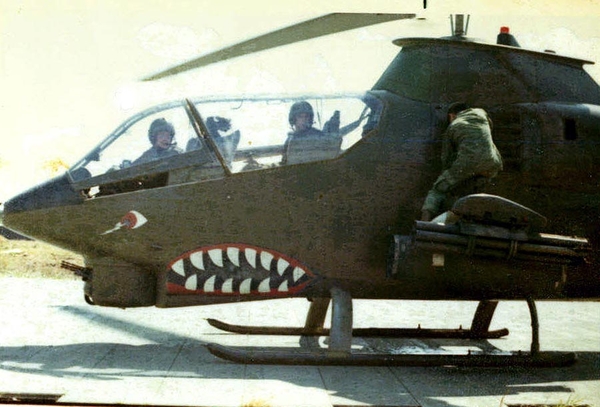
{"x":160,"y":134}
{"x":469,"y":158}
{"x":301,"y":119}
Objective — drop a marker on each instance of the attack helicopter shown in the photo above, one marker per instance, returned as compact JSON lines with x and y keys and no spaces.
{"x":248,"y":212}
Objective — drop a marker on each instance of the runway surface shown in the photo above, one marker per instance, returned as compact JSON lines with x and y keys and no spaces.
{"x":55,"y":347}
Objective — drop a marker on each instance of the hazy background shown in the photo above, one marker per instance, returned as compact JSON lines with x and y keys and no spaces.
{"x":70,"y":70}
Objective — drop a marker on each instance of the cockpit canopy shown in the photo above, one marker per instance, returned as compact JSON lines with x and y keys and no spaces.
{"x":195,"y":140}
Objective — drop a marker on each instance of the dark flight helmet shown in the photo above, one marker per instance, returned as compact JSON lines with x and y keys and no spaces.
{"x":158,"y":126}
{"x":301,"y":107}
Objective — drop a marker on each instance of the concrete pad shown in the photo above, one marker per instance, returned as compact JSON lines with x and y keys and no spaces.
{"x":52,"y":342}
{"x":352,"y":386}
{"x":284,"y":386}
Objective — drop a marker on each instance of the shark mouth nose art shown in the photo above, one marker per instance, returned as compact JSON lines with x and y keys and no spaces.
{"x":236,"y":269}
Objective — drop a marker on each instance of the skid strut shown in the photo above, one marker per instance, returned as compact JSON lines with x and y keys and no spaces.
{"x":340,"y":341}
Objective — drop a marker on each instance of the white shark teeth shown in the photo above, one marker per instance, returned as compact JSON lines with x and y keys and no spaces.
{"x":197,"y":260}
{"x":216,"y":255}
{"x":209,"y":285}
{"x":265,"y":286}
{"x":228,"y":286}
{"x":178,"y":267}
{"x":233,"y":253}
{"x":236,"y":260}
{"x":283,"y":287}
{"x":192,"y":283}
{"x":298,"y":274}
{"x":251,"y":257}
{"x":246,"y":286}
{"x":282,"y":265}
{"x":265,"y":259}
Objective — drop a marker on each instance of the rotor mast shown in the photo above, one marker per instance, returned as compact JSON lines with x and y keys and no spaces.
{"x":458,"y":26}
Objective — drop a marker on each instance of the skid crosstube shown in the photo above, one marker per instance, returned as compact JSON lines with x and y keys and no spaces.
{"x":324,"y":357}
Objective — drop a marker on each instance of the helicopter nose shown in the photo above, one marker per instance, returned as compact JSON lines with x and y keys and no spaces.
{"x":55,"y":192}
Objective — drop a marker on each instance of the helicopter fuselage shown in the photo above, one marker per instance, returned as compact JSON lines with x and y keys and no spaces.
{"x":301,"y":229}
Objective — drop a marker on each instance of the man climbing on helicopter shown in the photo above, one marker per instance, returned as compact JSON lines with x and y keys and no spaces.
{"x":469,"y":158}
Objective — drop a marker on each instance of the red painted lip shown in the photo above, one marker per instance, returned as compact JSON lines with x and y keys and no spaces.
{"x":236,"y":269}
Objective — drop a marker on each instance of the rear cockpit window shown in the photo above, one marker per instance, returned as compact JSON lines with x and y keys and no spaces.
{"x":204,"y":139}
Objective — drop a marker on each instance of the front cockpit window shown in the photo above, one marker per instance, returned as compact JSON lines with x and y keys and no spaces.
{"x":152,"y":137}
{"x":196,"y":140}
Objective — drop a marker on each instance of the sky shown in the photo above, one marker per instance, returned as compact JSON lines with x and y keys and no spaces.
{"x":70,"y":71}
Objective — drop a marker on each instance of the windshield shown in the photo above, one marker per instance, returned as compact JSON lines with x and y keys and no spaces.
{"x":203,"y":139}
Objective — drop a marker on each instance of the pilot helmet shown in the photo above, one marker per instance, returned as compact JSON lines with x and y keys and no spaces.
{"x":157,"y":126}
{"x":301,"y":107}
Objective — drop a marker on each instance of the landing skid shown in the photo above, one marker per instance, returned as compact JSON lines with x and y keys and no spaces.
{"x":361,"y":332}
{"x":340,"y":337}
{"x":290,"y":356}
{"x":479,"y":327}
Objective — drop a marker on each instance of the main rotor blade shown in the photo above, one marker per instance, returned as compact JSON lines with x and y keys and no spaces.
{"x":320,"y":26}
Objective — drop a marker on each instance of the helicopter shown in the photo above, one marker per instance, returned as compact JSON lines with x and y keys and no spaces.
{"x":244,"y":211}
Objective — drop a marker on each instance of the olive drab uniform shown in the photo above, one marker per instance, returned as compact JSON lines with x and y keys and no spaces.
{"x":469,"y":158}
